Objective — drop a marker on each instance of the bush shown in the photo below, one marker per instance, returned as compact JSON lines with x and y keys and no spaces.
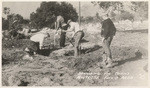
{"x":124,"y":16}
{"x":14,"y":21}
{"x":5,"y":24}
{"x":45,"y":14}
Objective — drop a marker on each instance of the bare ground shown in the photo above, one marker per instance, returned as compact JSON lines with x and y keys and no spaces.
{"x":129,"y":49}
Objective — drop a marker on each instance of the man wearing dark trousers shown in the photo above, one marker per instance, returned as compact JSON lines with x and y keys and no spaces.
{"x":108,"y":32}
{"x":60,"y":25}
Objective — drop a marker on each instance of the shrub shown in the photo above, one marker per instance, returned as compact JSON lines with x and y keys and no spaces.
{"x":45,"y":14}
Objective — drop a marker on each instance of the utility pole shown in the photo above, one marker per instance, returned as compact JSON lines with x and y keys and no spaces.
{"x":79,"y":14}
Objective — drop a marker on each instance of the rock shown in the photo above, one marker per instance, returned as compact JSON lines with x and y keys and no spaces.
{"x":46,"y":81}
{"x":61,"y":52}
{"x":67,"y":80}
{"x":13,"y":80}
{"x":27,"y":57}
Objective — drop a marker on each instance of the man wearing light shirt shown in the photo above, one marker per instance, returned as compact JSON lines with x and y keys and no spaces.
{"x":77,"y":35}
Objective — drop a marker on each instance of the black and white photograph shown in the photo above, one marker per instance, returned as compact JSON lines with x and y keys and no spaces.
{"x":74,"y":43}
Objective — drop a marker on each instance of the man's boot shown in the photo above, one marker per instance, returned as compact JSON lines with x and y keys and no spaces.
{"x":110,"y":63}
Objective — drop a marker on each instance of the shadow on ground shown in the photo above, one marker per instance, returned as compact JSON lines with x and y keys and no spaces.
{"x":96,"y":47}
{"x":84,"y":41}
{"x":44,"y":52}
{"x":138,"y":55}
{"x":23,"y":83}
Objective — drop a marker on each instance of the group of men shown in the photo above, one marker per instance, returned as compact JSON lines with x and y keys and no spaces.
{"x":74,"y":29}
{"x":108,"y":31}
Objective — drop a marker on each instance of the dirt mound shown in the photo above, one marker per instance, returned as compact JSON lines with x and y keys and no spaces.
{"x":11,"y":56}
{"x":18,"y":44}
{"x":81,"y":64}
{"x":13,"y":50}
{"x":64,"y":69}
{"x":85,"y":48}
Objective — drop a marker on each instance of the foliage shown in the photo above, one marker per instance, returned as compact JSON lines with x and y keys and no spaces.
{"x":91,"y":19}
{"x":126,"y":10}
{"x":45,"y":15}
{"x":141,"y":9}
{"x":26,"y":21}
{"x":14,"y":21}
{"x":106,"y":4}
{"x":5,"y":24}
{"x":125,"y":16}
{"x":6,"y":10}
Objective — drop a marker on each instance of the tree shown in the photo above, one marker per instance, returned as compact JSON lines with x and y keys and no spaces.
{"x":5,"y":24}
{"x":141,"y":10}
{"x":106,"y":4}
{"x":125,"y":16}
{"x":68,"y":12}
{"x":14,"y":21}
{"x":6,"y":10}
{"x":34,"y":20}
{"x":126,"y":10}
{"x":26,"y":21}
{"x":116,"y":8}
{"x":45,"y":14}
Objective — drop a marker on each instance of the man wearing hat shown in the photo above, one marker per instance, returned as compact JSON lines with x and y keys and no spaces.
{"x":77,"y":35}
{"x":108,"y":32}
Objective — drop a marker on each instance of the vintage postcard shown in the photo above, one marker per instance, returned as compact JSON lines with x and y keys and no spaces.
{"x":74,"y":43}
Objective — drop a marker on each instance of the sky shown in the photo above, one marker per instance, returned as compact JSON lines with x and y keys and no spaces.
{"x":25,"y":8}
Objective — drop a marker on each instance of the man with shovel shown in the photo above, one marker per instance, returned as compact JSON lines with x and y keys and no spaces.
{"x":77,"y":35}
{"x":60,"y":24}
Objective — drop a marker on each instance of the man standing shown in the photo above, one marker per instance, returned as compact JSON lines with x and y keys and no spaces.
{"x":108,"y":31}
{"x":77,"y":35}
{"x":59,"y":25}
